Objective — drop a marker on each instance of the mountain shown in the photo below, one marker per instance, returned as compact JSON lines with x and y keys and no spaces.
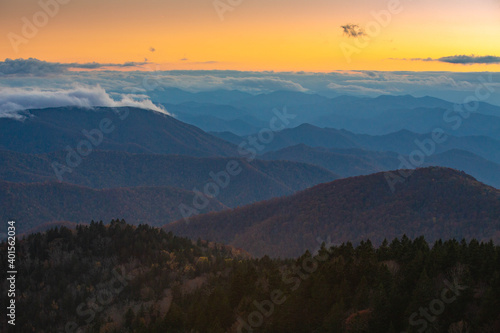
{"x":31,"y":205}
{"x":381,"y":115}
{"x":356,"y":162}
{"x":344,"y":162}
{"x":210,"y":123}
{"x":420,"y":120}
{"x":178,"y":96}
{"x":125,"y":129}
{"x":244,"y":113}
{"x":433,"y":202}
{"x":403,"y":142}
{"x":313,"y":136}
{"x":257,"y":180}
{"x":281,"y":98}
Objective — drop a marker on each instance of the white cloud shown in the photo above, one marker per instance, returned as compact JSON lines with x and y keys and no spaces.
{"x":236,"y":81}
{"x":13,"y":100}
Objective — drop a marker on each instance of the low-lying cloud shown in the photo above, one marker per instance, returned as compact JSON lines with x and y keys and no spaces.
{"x":258,"y":83}
{"x":35,"y":67}
{"x":14,"y":100}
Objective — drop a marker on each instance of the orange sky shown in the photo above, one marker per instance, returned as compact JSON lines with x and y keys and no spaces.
{"x":279,"y":35}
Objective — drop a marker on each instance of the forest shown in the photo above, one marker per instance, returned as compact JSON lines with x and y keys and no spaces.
{"x":124,"y":278}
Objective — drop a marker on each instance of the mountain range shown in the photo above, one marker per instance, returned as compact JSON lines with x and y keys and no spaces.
{"x":244,"y":114}
{"x":356,"y":162}
{"x":143,"y":165}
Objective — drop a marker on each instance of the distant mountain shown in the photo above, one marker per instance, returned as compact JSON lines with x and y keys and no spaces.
{"x":216,"y":117}
{"x":356,"y":162}
{"x":31,"y":205}
{"x":420,"y":120}
{"x":257,"y":180}
{"x":278,"y":99}
{"x":313,"y":136}
{"x":434,"y":202}
{"x":241,"y":113}
{"x":364,"y":107}
{"x":402,"y":142}
{"x":178,"y":96}
{"x":344,"y":162}
{"x":378,"y":116}
{"x":128,"y":129}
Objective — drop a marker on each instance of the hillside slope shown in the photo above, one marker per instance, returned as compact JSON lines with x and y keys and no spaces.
{"x":257,"y":180}
{"x":125,"y":129}
{"x":434,"y":202}
{"x":34,"y":204}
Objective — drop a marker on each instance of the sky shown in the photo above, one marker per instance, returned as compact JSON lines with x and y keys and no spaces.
{"x":256,"y":35}
{"x":126,"y":52}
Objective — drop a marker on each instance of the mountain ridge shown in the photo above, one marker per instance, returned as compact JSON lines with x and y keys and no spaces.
{"x":433,"y":202}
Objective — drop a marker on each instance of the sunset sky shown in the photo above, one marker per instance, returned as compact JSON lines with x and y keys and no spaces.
{"x":257,"y":35}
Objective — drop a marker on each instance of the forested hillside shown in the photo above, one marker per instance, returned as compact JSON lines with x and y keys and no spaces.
{"x":122,"y":278}
{"x":434,"y":202}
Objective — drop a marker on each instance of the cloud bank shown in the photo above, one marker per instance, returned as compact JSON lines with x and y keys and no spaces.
{"x":14,"y":100}
{"x":35,"y":67}
{"x":35,"y":75}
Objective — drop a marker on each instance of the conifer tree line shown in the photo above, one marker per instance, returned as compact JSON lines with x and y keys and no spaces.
{"x":124,"y":278}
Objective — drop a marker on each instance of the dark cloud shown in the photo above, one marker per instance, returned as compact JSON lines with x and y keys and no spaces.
{"x":461,"y":59}
{"x":352,"y":30}
{"x":35,"y":67}
{"x":30,"y":66}
{"x":472,"y":59}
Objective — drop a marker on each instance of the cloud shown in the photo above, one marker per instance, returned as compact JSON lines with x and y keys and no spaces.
{"x":472,"y":59}
{"x":30,"y":66}
{"x":251,"y":84}
{"x":14,"y":100}
{"x":460,"y":59}
{"x":152,"y":49}
{"x":35,"y":67}
{"x":352,"y":30}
